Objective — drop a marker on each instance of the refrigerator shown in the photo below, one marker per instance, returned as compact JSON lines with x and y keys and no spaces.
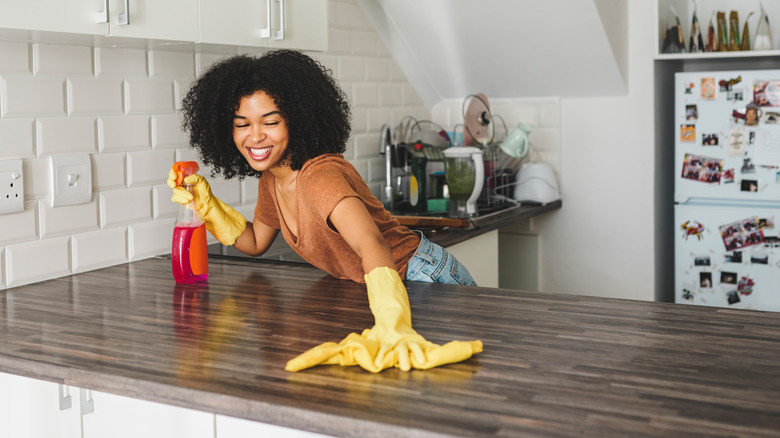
{"x":727,"y":189}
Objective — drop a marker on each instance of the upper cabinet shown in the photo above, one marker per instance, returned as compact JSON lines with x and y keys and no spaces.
{"x":265,"y":23}
{"x":294,"y":24}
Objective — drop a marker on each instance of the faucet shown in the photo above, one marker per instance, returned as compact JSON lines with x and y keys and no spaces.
{"x":386,"y":149}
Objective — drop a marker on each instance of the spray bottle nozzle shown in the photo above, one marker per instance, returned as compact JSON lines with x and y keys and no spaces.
{"x":184,"y":169}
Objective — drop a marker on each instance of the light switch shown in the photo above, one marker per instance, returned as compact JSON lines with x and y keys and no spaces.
{"x":71,"y":179}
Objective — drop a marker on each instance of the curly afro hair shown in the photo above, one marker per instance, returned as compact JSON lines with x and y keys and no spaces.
{"x":314,"y":107}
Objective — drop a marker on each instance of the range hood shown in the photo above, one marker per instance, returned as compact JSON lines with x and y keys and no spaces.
{"x":506,"y":48}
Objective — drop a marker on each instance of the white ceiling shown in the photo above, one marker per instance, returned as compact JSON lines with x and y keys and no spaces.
{"x":505,"y":48}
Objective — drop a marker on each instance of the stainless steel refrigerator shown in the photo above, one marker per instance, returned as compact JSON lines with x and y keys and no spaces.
{"x":727,"y":189}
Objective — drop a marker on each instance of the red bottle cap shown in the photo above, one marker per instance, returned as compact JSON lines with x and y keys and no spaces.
{"x":184,"y":169}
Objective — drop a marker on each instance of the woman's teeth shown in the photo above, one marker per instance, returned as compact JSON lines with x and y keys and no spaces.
{"x":259,"y":153}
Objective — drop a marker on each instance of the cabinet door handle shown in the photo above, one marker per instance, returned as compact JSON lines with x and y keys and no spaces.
{"x":279,"y":34}
{"x":66,"y":402}
{"x":124,"y":18}
{"x":266,"y":31}
{"x":87,"y":403}
{"x":102,"y":16}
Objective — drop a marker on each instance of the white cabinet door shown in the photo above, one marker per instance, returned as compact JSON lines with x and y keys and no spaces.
{"x":229,"y":427}
{"x":305,"y":24}
{"x":234,"y":22}
{"x":480,"y":256}
{"x":123,"y":417}
{"x":175,"y":20}
{"x":31,"y":408}
{"x":72,"y":16}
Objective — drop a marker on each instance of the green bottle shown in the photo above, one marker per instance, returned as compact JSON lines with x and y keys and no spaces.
{"x":417,"y":190}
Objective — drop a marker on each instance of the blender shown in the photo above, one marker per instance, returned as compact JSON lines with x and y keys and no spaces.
{"x":464,"y":172}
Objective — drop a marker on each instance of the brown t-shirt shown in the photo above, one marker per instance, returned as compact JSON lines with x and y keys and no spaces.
{"x":321,"y":184}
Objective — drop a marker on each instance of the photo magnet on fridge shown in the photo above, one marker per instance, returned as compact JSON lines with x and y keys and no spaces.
{"x":701,"y":168}
{"x":708,"y":88}
{"x":688,"y":133}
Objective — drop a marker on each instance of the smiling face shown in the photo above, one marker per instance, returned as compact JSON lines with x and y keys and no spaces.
{"x":260,"y":132}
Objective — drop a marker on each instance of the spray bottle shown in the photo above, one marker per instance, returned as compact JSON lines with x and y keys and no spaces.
{"x":189,"y":252}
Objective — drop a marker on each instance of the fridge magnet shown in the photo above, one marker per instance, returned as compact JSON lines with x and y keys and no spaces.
{"x":753,"y":114}
{"x":688,"y":133}
{"x":728,"y":176}
{"x":749,"y":185}
{"x":728,"y":84}
{"x":737,"y":146}
{"x":728,"y":277}
{"x":689,"y":88}
{"x":692,"y":228}
{"x":734,"y":257}
{"x":735,"y":94}
{"x":687,"y":294}
{"x":691,"y":112}
{"x":766,"y":93}
{"x":770,"y":118}
{"x":772,"y":241}
{"x":705,"y":280}
{"x":745,"y":285}
{"x":708,"y":88}
{"x":766,"y":222}
{"x":741,"y":234}
{"x":700,"y":168}
{"x":751,"y":137}
{"x":748,"y":166}
{"x":701,"y":260}
{"x":709,"y":139}
{"x":732,"y":297}
{"x":759,"y":257}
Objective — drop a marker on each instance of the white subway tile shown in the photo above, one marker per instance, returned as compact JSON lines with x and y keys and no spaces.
{"x":148,"y":167}
{"x":161,"y":201}
{"x":377,"y":69}
{"x":122,"y":62}
{"x":391,"y":94}
{"x":351,"y":69}
{"x":166,"y":64}
{"x":359,"y":121}
{"x":108,"y":172}
{"x":410,"y":95}
{"x":151,"y":239}
{"x":339,"y":41}
{"x":545,"y":139}
{"x":16,"y":138}
{"x":228,"y":191}
{"x":66,"y":135}
{"x":68,"y":219}
{"x":350,"y":16}
{"x":62,"y":60}
{"x":95,"y":96}
{"x":122,"y":207}
{"x":366,"y":145}
{"x":550,"y":114}
{"x":167,"y":131}
{"x":15,"y":58}
{"x":33,"y":97}
{"x":364,"y":43}
{"x":366,"y":95}
{"x":152,"y":96}
{"x":37,"y":261}
{"x":21,"y":226}
{"x":249,"y":191}
{"x":37,"y":178}
{"x":395,"y":72}
{"x":99,"y":249}
{"x":203,"y":61}
{"x":376,"y":117}
{"x":125,"y":133}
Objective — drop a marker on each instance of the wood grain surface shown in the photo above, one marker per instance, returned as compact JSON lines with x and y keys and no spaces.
{"x":553,"y":365}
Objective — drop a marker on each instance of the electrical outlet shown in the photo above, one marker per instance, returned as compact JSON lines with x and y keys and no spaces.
{"x":71,"y":179}
{"x":11,"y":186}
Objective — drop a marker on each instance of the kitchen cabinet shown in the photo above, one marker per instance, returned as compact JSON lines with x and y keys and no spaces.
{"x":230,"y":427}
{"x":480,"y":256}
{"x":73,"y":16}
{"x":269,"y":23}
{"x":31,"y":408}
{"x":174,"y":20}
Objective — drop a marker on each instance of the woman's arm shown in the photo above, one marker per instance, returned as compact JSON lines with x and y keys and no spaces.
{"x":256,"y":238}
{"x":352,"y":220}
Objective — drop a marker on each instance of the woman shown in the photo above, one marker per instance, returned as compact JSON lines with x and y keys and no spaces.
{"x":282,"y":117}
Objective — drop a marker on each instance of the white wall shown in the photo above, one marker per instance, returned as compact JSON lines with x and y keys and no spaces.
{"x":602,"y":241}
{"x":120,"y":107}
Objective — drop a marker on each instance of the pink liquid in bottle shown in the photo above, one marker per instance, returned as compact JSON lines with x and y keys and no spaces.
{"x":189,"y":253}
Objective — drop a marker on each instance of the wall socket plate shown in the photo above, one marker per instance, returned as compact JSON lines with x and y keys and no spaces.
{"x":71,"y":179}
{"x":11,"y":186}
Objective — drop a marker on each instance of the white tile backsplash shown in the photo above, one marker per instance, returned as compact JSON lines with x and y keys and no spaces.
{"x":121,"y":62}
{"x":16,"y":138}
{"x":149,"y":96}
{"x":125,"y":133}
{"x":98,"y":249}
{"x":58,"y":59}
{"x":68,"y":219}
{"x":171,"y":64}
{"x":37,"y":261}
{"x":21,"y":226}
{"x":109,"y":172}
{"x":66,"y":135}
{"x":15,"y":59}
{"x":167,"y":131}
{"x":92,"y":97}
{"x":162,"y":205}
{"x":149,"y":239}
{"x":146,"y":168}
{"x":122,"y":207}
{"x":32,"y":97}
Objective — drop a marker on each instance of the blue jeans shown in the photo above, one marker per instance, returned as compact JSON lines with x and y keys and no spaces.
{"x":433,"y":264}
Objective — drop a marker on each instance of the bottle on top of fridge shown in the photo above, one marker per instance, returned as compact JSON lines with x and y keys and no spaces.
{"x":189,"y":250}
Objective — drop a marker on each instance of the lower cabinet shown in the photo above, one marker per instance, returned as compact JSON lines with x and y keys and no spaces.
{"x":480,"y":256}
{"x":31,"y":408}
{"x":229,"y":427}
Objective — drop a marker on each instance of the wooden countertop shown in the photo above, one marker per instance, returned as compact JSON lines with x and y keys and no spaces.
{"x":553,"y":365}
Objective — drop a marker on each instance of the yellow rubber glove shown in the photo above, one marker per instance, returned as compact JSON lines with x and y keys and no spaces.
{"x":392,"y":342}
{"x":224,"y":222}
